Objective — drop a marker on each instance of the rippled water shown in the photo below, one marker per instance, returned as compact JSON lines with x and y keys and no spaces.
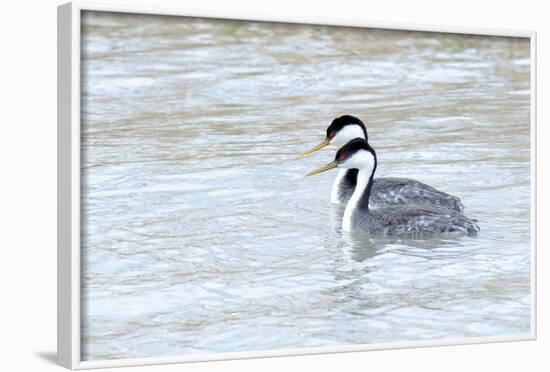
{"x":200,"y":233}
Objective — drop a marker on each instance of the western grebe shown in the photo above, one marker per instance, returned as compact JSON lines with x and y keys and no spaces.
{"x":385,"y":190}
{"x":413,"y":220}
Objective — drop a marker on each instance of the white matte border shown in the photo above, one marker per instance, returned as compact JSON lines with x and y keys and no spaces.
{"x":69,"y":350}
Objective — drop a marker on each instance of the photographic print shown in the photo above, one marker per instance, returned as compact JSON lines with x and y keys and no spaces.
{"x":200,"y":233}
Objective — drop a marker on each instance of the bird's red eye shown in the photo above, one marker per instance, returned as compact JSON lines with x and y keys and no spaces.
{"x":341,"y":157}
{"x":330,"y":135}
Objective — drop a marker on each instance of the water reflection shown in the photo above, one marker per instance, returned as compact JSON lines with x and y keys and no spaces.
{"x":200,"y":233}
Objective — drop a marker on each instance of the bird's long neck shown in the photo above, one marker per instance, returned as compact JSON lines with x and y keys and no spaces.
{"x":361,"y":194}
{"x":345,"y":179}
{"x":360,"y":197}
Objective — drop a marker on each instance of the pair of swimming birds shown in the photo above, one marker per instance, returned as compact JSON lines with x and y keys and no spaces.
{"x":385,"y":206}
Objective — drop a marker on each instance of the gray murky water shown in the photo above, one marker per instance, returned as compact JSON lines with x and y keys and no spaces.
{"x":200,"y":233}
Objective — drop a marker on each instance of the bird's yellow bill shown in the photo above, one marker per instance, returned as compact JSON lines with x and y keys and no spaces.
{"x":325,"y":168}
{"x":323,"y":143}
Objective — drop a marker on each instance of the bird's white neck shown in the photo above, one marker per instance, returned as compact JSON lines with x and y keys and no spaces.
{"x":357,"y":199}
{"x":335,"y":192}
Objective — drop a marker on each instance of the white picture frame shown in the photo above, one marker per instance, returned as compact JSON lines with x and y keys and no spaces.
{"x":69,"y":300}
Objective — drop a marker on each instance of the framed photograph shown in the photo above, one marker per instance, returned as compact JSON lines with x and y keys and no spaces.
{"x":188,"y":232}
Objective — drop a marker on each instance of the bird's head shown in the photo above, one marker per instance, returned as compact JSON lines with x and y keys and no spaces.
{"x":342,"y":130}
{"x":356,"y":154}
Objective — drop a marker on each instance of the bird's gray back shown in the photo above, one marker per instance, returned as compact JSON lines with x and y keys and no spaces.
{"x":388,"y":191}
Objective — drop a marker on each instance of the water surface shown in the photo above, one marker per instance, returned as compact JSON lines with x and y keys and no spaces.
{"x":200,"y":233}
